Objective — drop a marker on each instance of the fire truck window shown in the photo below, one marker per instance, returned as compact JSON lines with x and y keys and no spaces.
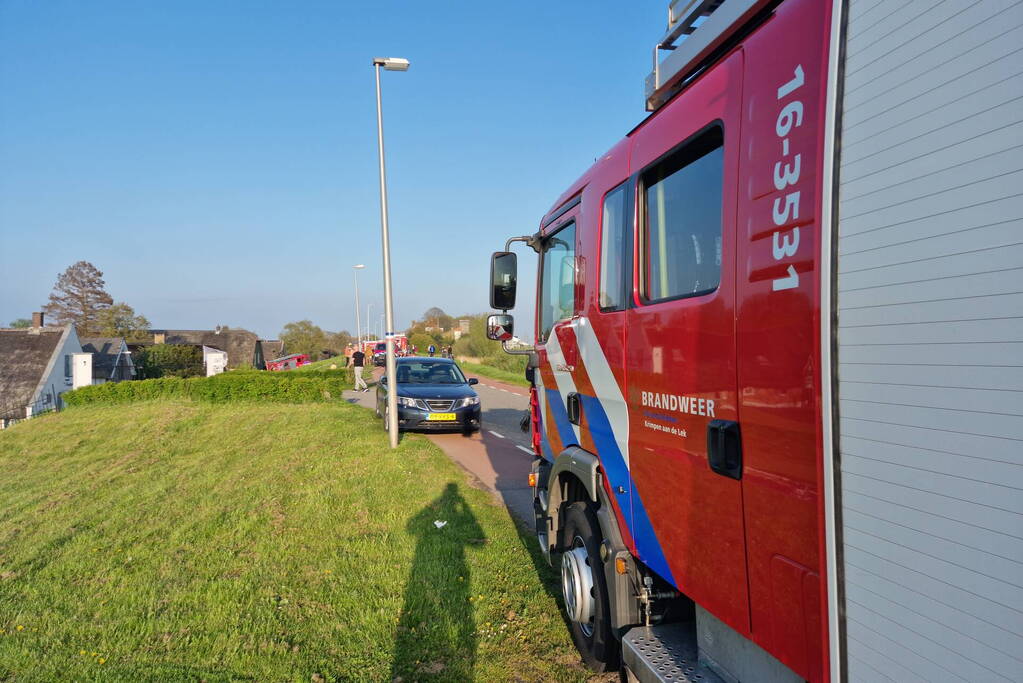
{"x":615,"y":248}
{"x":682,"y":232}
{"x":557,"y":287}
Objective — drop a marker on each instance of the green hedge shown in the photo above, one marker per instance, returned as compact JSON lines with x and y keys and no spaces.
{"x":236,"y":385}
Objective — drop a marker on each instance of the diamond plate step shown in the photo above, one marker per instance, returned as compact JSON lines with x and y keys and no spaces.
{"x":665,"y":653}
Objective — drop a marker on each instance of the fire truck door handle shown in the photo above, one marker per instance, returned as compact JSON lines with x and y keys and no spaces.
{"x":574,"y":408}
{"x":724,"y":448}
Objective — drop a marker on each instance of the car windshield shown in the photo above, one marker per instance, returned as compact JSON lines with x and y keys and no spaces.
{"x":425,"y":372}
{"x":381,"y":347}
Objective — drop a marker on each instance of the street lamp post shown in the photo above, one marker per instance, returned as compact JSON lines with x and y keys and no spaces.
{"x":389,"y":64}
{"x":358,"y":323}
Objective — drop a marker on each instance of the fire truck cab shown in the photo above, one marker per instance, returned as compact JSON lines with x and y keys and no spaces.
{"x":695,"y":316}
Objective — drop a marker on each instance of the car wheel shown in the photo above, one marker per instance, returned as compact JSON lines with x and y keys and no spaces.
{"x":585,"y":589}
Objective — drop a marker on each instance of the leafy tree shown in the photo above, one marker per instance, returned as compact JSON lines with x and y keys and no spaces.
{"x":168,"y":360}
{"x":120,"y":320}
{"x":78,"y":297}
{"x":337,"y":341}
{"x":21,"y":323}
{"x":422,"y":343}
{"x":436,"y":317}
{"x":304,"y":337}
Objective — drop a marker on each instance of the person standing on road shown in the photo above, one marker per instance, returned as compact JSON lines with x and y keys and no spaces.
{"x":358,"y":359}
{"x":432,"y":350}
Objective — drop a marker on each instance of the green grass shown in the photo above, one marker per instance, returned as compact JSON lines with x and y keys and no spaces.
{"x":516,"y":378}
{"x":324,"y":364}
{"x":189,"y":541}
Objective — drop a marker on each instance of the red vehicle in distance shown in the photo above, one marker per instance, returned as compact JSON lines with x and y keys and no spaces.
{"x":289,"y":362}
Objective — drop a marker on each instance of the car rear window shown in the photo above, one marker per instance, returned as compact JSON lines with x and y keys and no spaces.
{"x":425,"y":372}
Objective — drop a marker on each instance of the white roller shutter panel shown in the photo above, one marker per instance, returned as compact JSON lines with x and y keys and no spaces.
{"x":930,"y":340}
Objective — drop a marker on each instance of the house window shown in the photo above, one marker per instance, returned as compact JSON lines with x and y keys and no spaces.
{"x":682,"y":199}
{"x":67,"y":366}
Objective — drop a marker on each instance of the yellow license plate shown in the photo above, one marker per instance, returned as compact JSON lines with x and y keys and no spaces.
{"x":443,"y":417}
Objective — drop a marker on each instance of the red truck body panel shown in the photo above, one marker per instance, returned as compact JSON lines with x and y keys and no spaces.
{"x":652,"y":376}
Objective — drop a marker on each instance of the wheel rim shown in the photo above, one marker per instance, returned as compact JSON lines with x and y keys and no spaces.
{"x":577,"y":586}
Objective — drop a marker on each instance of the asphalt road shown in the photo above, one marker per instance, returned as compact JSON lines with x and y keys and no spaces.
{"x":499,"y":456}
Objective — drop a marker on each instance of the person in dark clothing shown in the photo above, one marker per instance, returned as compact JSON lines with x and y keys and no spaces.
{"x":358,"y":361}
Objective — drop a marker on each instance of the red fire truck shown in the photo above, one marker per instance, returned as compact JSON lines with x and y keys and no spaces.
{"x":777,"y":396}
{"x":290,"y":362}
{"x":373,"y":346}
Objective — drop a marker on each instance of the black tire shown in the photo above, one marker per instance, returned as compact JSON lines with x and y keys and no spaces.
{"x":599,"y":648}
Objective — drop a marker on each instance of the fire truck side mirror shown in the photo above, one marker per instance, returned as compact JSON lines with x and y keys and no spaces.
{"x":503,"y":269}
{"x":500,"y":327}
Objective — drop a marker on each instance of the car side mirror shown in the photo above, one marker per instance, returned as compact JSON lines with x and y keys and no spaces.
{"x":503,"y":276}
{"x":500,"y":327}
{"x":473,"y":380}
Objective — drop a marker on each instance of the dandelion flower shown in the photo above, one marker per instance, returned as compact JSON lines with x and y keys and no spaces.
{"x":20,"y":627}
{"x":101,"y":660}
{"x":81,"y":652}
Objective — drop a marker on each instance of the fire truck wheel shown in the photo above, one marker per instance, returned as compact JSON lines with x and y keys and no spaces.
{"x":585,"y":589}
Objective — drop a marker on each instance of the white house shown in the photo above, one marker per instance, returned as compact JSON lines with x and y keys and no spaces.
{"x":111,"y":361}
{"x":214,"y":360}
{"x":36,"y":367}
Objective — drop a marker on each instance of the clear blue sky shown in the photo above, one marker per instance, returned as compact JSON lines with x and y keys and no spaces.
{"x":217,"y":160}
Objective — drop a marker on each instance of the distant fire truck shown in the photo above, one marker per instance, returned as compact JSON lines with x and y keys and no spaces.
{"x":777,"y":394}
{"x":373,"y":347}
{"x":289,"y":362}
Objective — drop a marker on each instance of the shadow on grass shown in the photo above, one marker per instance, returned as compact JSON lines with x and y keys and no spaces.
{"x":436,"y":629}
{"x":512,"y":471}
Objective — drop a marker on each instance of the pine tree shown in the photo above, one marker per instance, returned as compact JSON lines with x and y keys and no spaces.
{"x":78,"y":297}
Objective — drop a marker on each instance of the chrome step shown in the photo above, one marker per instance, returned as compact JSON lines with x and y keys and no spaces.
{"x":665,"y":653}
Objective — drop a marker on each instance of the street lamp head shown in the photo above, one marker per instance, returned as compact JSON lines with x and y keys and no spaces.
{"x":391,"y":63}
{"x":359,"y":267}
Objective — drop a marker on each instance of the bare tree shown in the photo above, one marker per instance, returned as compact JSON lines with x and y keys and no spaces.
{"x":78,"y":297}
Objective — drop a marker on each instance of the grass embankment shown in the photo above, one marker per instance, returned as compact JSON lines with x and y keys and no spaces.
{"x":337,"y":361}
{"x":177,"y":540}
{"x":516,"y":378}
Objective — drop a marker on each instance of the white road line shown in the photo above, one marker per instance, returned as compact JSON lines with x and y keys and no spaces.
{"x":523,"y":448}
{"x":499,"y":436}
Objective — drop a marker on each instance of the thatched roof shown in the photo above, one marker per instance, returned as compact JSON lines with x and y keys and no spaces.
{"x":272,"y":348}
{"x":24,"y":357}
{"x":239,"y":344}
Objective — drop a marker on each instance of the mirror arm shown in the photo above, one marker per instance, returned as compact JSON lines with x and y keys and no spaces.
{"x":516,"y":352}
{"x":532,"y":241}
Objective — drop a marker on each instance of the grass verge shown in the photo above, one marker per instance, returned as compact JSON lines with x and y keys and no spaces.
{"x":173,"y":540}
{"x":490,"y":371}
{"x":338,"y":363}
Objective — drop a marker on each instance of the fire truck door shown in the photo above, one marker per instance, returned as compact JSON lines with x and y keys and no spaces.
{"x":681,"y":351}
{"x":556,"y":345}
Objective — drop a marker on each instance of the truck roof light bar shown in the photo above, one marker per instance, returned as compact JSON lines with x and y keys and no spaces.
{"x":695,"y":29}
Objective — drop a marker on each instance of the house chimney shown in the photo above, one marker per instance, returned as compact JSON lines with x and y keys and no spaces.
{"x":37,"y":319}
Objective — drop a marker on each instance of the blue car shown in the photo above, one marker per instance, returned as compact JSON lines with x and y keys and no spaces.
{"x":433,"y":395}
